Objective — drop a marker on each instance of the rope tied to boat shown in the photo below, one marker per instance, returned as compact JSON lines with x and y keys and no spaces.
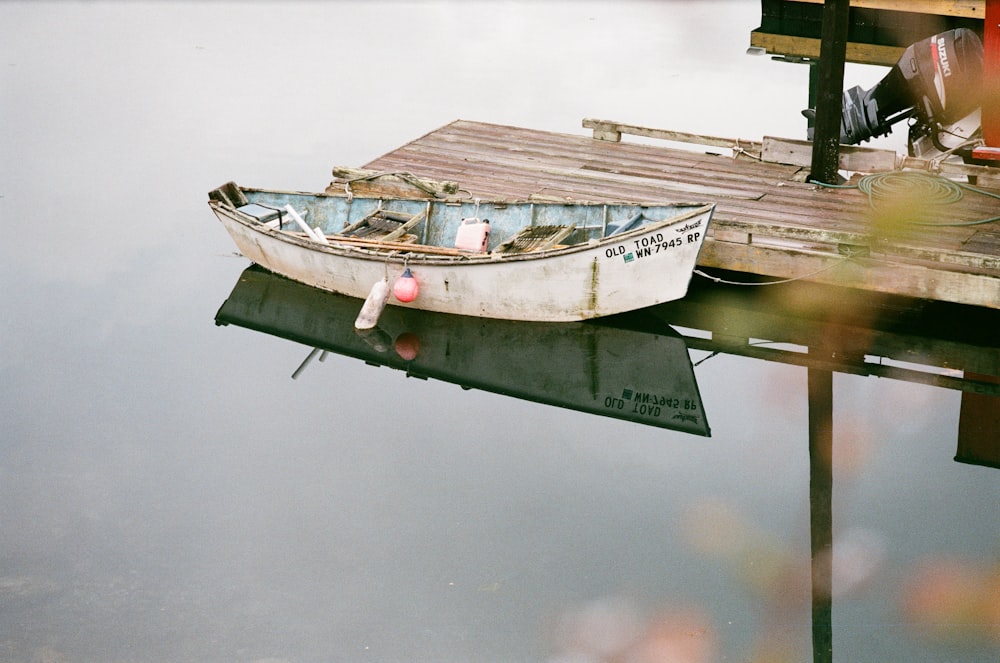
{"x":918,"y":186}
{"x":849,"y":255}
{"x":388,"y":258}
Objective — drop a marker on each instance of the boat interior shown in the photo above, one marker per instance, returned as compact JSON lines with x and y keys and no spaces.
{"x":452,"y":226}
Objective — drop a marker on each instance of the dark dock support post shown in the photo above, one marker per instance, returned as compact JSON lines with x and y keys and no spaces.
{"x":830,"y":90}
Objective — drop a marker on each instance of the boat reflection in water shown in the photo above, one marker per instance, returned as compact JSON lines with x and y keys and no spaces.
{"x":631,"y":366}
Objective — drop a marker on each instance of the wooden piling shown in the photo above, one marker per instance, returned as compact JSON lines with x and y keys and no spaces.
{"x":830,"y":89}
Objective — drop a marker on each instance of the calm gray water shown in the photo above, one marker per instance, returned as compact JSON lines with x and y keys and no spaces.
{"x":169,"y":493}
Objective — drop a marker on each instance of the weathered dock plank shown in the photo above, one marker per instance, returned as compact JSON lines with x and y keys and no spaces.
{"x":768,"y":221}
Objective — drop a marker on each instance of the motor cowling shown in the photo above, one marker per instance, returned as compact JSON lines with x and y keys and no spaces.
{"x":937,"y":80}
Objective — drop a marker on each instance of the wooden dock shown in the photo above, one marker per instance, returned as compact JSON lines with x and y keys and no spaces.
{"x":768,"y":222}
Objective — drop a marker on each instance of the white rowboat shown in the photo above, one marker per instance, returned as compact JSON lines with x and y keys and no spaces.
{"x":542,"y":261}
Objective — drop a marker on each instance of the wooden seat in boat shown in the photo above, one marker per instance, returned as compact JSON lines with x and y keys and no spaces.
{"x":535,"y":238}
{"x":384,"y":225}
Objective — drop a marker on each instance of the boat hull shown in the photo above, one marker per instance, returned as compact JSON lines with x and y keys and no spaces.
{"x":633,"y":270}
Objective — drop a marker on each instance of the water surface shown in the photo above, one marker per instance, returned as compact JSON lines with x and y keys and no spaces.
{"x":169,"y":493}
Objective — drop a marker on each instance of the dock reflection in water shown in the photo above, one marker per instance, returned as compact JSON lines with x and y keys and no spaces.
{"x":637,"y":367}
{"x":838,"y":330}
{"x":633,"y":366}
{"x":829,"y":330}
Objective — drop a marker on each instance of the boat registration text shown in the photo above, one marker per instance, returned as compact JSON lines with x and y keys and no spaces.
{"x":649,"y":246}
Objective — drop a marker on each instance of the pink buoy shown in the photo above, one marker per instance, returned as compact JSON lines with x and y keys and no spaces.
{"x":406,"y":287}
{"x":407,"y":346}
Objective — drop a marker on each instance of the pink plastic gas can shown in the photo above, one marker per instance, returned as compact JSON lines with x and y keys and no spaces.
{"x":473,"y":235}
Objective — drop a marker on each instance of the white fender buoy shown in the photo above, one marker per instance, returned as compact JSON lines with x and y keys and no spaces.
{"x":373,"y":306}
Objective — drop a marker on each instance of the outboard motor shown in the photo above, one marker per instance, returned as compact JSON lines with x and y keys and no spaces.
{"x":937,"y":81}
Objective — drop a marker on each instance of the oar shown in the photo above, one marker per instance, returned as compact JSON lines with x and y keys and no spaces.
{"x":314,"y":235}
{"x":366,"y":243}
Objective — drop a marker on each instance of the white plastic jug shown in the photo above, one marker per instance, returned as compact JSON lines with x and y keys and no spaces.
{"x":473,"y":235}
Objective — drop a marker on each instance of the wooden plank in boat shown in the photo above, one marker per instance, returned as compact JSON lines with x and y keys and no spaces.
{"x":535,"y":238}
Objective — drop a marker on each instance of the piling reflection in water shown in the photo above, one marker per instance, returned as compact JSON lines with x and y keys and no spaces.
{"x":829,"y":330}
{"x":632,"y":367}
